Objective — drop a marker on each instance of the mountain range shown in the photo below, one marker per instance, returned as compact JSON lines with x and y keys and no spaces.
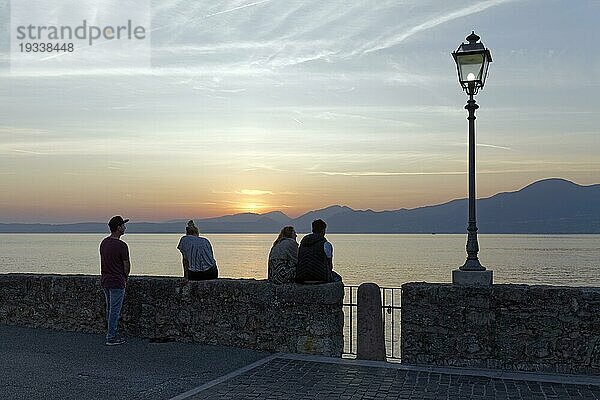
{"x":547,"y":206}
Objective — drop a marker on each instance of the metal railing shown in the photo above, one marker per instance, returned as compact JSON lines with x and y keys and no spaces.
{"x":350,"y":308}
{"x":390,"y":300}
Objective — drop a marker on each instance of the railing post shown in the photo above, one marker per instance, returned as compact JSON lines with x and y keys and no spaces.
{"x":370,"y":337}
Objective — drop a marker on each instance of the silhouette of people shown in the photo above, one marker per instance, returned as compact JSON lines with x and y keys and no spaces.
{"x":197,"y":256}
{"x":283,"y":257}
{"x":114,"y":268}
{"x":315,"y":257}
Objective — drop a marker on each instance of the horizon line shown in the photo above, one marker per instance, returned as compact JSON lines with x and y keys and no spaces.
{"x":177,"y":220}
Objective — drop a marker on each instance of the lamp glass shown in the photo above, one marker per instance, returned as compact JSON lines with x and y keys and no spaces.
{"x":470,"y":67}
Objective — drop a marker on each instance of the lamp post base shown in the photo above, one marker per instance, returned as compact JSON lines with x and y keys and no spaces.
{"x":472,"y":278}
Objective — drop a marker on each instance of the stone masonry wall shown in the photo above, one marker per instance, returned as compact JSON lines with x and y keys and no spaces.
{"x":231,"y":312}
{"x":514,"y":327}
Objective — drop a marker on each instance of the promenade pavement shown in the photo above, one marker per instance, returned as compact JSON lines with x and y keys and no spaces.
{"x":303,"y":378}
{"x":43,"y":364}
{"x":47,"y":365}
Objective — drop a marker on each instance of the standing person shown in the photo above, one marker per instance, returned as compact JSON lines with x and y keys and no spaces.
{"x":283,"y":257}
{"x":315,"y":257}
{"x":115,"y":268}
{"x":197,"y":256}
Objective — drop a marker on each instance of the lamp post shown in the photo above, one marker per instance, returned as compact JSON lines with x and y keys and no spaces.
{"x":472,"y":61}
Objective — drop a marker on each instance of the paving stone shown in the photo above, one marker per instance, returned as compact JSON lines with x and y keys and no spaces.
{"x":284,"y":378}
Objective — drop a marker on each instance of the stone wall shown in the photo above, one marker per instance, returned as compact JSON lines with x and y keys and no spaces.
{"x":231,"y":312}
{"x":513,"y":327}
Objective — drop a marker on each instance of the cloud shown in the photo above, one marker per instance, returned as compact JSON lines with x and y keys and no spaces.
{"x":21,"y":130}
{"x":384,"y":173}
{"x":193,"y":203}
{"x":294,"y":34}
{"x":387,"y":42}
{"x":257,"y":167}
{"x":328,"y":115}
{"x":492,"y":146}
{"x":29,"y":152}
{"x":254,"y":192}
{"x":256,"y":3}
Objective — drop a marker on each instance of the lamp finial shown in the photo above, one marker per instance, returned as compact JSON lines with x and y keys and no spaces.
{"x":473,"y":38}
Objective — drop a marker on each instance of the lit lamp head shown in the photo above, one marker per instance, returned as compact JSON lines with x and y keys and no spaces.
{"x":472,"y":60}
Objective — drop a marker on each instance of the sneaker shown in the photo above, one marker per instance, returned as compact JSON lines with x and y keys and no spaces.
{"x":114,"y":341}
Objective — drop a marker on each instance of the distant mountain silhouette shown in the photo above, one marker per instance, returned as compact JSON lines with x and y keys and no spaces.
{"x":303,"y":222}
{"x":547,"y":206}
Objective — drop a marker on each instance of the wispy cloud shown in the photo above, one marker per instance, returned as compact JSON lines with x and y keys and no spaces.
{"x":189,"y":21}
{"x":490,"y":146}
{"x":256,"y":3}
{"x":29,"y":152}
{"x":384,"y":173}
{"x":254,"y":192}
{"x":328,"y":115}
{"x":257,"y":167}
{"x":15,"y":130}
{"x":387,"y":42}
{"x":192,"y":203}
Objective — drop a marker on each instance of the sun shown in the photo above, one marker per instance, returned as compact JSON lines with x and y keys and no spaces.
{"x":251,"y":207}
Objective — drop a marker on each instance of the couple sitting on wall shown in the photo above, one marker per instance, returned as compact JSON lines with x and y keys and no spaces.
{"x":311,"y":262}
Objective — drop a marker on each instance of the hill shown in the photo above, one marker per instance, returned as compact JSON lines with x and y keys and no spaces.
{"x":547,"y":206}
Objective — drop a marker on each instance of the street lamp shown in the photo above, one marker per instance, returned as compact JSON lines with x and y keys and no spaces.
{"x":472,"y":61}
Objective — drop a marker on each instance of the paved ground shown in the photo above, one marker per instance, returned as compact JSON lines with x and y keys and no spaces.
{"x":303,"y":378}
{"x":42,"y":364}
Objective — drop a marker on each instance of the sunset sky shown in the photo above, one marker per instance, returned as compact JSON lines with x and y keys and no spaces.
{"x":295,"y":105}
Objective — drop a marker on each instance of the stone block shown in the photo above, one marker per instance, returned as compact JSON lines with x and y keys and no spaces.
{"x":472,"y":278}
{"x":370,"y":337}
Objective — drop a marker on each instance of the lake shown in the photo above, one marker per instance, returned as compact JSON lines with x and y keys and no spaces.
{"x":388,"y":260}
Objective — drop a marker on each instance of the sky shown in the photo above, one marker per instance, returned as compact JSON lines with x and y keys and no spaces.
{"x":295,"y":105}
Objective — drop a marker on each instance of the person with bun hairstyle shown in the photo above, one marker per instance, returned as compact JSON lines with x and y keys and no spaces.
{"x":198,"y":259}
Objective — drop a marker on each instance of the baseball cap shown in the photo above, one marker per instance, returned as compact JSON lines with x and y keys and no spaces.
{"x":115,"y":222}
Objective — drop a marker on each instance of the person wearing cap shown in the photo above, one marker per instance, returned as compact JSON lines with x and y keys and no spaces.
{"x":115,"y":268}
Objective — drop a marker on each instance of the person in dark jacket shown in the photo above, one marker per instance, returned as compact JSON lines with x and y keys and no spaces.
{"x":315,"y":257}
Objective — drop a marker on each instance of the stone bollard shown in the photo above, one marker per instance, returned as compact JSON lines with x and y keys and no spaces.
{"x":370,"y":338}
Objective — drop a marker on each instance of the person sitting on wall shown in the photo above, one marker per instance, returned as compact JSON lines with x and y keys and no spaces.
{"x":198,"y":259}
{"x":283,"y":257}
{"x":315,"y":257}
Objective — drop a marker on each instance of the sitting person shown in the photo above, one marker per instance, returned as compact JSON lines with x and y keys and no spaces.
{"x":315,"y":257}
{"x":283,"y":257}
{"x":198,"y":260}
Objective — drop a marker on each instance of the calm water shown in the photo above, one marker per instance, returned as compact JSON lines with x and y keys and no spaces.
{"x":388,"y":260}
